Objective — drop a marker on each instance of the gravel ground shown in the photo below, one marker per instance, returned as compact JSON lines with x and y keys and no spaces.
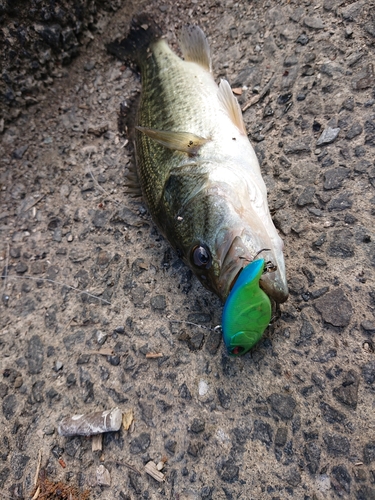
{"x":86,"y":270}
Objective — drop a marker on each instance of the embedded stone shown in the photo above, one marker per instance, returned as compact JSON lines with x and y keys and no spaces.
{"x":228,"y":471}
{"x":35,"y":355}
{"x":140,"y":443}
{"x":328,"y":135}
{"x":340,"y":479}
{"x":337,"y":445}
{"x":333,"y":178}
{"x":262,"y":432}
{"x":335,"y":308}
{"x":347,"y":392}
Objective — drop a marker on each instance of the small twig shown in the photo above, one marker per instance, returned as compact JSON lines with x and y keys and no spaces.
{"x":61,"y":284}
{"x":190,"y":323}
{"x":38,"y":467}
{"x":129,"y":467}
{"x":154,"y":355}
{"x":34,"y":203}
{"x":268,"y":127}
{"x":6,"y":268}
{"x":67,"y":325}
{"x":103,"y":352}
{"x":95,"y":181}
{"x":260,"y":96}
{"x":36,"y":494}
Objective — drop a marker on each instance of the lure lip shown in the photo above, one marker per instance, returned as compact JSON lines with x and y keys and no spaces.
{"x":247,"y":310}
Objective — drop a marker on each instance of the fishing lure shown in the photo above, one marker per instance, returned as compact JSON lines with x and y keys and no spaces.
{"x":247,"y":310}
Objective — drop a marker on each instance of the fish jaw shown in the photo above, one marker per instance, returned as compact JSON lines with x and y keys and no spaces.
{"x":236,"y":249}
{"x":273,"y":282}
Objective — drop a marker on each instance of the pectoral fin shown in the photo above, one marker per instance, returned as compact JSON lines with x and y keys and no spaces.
{"x":231,"y":105}
{"x":176,"y":141}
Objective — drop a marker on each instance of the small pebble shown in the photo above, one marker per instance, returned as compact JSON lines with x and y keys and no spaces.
{"x":65,"y":190}
{"x":328,"y":135}
{"x":89,"y":66}
{"x":202,"y":388}
{"x":58,"y":366}
{"x":103,"y":477}
{"x":101,"y":337}
{"x":49,"y":430}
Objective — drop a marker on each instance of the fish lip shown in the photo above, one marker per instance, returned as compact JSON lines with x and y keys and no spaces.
{"x":236,"y":256}
{"x":276,"y":289}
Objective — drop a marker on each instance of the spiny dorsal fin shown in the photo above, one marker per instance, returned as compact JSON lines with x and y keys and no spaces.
{"x":194,"y":46}
{"x":231,"y":105}
{"x":177,"y":141}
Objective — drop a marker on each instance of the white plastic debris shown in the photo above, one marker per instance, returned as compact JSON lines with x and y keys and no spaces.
{"x":202,"y":388}
{"x":92,"y":423}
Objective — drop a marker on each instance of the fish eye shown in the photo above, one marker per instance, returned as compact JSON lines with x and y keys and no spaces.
{"x":201,"y":256}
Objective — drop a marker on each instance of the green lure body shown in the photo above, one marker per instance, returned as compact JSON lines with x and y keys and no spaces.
{"x":247,"y":310}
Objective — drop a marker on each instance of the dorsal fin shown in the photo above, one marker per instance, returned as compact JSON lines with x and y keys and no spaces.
{"x":231,"y":105}
{"x":176,"y":141}
{"x":194,"y":46}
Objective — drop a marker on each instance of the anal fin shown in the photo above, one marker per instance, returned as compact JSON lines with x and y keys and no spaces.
{"x":231,"y":105}
{"x":185,"y":142}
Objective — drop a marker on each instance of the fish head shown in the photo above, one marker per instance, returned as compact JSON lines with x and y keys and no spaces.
{"x":221,"y":244}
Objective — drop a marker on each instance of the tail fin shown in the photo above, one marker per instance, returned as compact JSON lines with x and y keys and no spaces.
{"x":143,"y":32}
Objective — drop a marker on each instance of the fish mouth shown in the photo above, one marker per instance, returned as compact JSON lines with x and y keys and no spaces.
{"x":234,"y":255}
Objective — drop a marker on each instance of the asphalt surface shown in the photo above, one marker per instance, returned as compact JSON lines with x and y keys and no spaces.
{"x":85,"y":270}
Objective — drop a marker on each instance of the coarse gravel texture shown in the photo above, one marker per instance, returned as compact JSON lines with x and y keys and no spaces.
{"x":86,"y":269}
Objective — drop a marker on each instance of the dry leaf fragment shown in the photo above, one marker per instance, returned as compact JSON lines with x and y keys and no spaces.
{"x":152,"y":470}
{"x":237,"y":91}
{"x":127,"y":419}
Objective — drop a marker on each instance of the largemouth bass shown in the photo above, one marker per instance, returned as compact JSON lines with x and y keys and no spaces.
{"x":198,"y":172}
